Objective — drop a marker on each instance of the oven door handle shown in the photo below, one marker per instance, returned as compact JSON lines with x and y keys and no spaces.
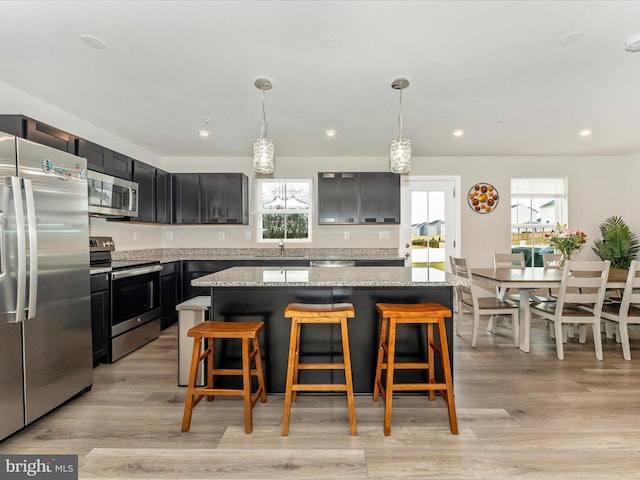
{"x":135,"y":271}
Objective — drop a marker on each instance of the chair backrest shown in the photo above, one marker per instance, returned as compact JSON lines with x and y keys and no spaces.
{"x":583,"y":283}
{"x":631,"y":294}
{"x":509,"y":260}
{"x":551,"y":260}
{"x":460,"y":268}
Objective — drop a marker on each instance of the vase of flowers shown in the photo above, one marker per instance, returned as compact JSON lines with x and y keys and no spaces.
{"x":566,"y":241}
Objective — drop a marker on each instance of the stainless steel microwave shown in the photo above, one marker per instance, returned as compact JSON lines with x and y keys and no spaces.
{"x":111,"y":196}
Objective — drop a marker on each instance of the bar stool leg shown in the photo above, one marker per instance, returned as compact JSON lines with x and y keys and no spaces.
{"x":377,"y":384}
{"x":193,"y":373}
{"x":210,"y":343}
{"x":430,"y":359}
{"x":291,"y":371}
{"x":444,"y":349}
{"x":346,"y":354}
{"x":388,"y":396}
{"x":246,"y":386}
{"x":260,"y":369}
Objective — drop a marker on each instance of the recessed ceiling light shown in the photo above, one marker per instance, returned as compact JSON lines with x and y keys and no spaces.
{"x":569,"y":39}
{"x":331,"y":40}
{"x":93,"y":42}
{"x":458,"y":133}
{"x":330,"y":133}
{"x":584,"y":133}
{"x":204,"y":133}
{"x":633,"y":44}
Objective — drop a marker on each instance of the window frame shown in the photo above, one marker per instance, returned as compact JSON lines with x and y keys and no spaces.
{"x":260,"y":211}
{"x":559,"y":194}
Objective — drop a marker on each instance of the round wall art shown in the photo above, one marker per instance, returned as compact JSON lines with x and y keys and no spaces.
{"x":483,"y":197}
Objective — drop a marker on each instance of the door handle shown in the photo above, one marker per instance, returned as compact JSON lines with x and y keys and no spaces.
{"x":3,"y":255}
{"x":33,"y":248}
{"x":22,"y":247}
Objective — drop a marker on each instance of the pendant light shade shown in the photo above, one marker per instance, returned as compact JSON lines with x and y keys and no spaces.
{"x":263,"y":149}
{"x":400,"y":154}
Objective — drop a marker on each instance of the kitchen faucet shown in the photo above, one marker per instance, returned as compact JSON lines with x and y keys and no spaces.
{"x":281,"y":245}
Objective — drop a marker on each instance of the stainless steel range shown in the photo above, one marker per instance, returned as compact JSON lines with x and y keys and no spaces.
{"x":135,"y":298}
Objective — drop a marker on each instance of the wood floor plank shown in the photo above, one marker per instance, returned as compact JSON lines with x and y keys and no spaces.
{"x":228,"y":464}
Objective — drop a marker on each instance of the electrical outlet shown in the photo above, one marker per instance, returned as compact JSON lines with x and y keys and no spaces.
{"x":385,"y":235}
{"x":169,"y":235}
{"x":221,"y":235}
{"x":347,"y":235}
{"x":247,"y":235}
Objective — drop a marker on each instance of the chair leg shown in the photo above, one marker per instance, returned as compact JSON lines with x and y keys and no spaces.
{"x":623,"y":335}
{"x":476,"y":323}
{"x":559,"y":347}
{"x":260,"y":369}
{"x":246,"y":386}
{"x":450,"y":398}
{"x":193,"y":373}
{"x":348,"y":376}
{"x":210,"y":343}
{"x":384,"y":326}
{"x":388,"y":397}
{"x":597,"y":339}
{"x":291,"y":363}
{"x":430,"y":358}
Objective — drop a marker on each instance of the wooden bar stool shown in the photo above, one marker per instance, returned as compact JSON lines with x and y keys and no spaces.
{"x":301,"y":313}
{"x":429,"y":314}
{"x":209,"y":331}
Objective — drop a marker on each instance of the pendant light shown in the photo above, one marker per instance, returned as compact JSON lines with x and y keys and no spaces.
{"x":263,"y":147}
{"x":400,"y":157}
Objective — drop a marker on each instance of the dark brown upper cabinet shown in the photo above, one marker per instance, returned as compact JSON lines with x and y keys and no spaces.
{"x":358,"y":198}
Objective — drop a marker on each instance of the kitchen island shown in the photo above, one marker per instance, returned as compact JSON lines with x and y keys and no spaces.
{"x":262,"y":293}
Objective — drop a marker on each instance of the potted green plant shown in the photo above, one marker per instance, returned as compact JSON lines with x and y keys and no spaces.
{"x":619,"y":244}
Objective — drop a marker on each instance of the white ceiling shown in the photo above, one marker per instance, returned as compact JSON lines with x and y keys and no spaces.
{"x":168,"y":64}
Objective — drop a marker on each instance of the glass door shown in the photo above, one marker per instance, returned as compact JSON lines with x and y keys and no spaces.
{"x":429,"y":231}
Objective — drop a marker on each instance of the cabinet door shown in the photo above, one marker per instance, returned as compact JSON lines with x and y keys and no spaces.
{"x":213,"y":208}
{"x":186,"y":198}
{"x":145,"y":176}
{"x":236,"y":198}
{"x":337,"y":198}
{"x":120,"y":165}
{"x":163,"y":196}
{"x":169,"y":293}
{"x":97,"y":156}
{"x":199,"y":268}
{"x":53,"y":137}
{"x":100,"y":316}
{"x":379,"y":197}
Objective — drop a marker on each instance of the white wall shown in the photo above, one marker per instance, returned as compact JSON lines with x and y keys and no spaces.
{"x":599,"y":187}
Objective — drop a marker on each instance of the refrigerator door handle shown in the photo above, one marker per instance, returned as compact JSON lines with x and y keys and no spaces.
{"x":33,"y":248}
{"x":22,"y":249}
{"x":3,"y":254}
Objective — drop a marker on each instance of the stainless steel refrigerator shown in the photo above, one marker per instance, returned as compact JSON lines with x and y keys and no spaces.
{"x":45,"y":310}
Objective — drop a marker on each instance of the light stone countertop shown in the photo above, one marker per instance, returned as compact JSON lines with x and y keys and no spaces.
{"x":327,"y":277}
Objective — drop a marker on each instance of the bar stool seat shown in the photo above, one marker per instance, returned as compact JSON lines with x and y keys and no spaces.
{"x":209,"y":331}
{"x":302,"y":313}
{"x":421,"y":313}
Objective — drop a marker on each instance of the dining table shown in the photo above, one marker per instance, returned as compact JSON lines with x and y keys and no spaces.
{"x":528,"y":280}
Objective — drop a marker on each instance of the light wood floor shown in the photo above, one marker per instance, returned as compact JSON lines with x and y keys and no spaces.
{"x":521,"y":415}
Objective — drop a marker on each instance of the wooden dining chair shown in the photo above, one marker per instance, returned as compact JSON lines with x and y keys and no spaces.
{"x":469,"y":298}
{"x":580,"y":299}
{"x":627,"y":311}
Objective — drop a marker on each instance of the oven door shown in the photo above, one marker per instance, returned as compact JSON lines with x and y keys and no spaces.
{"x":135,"y":297}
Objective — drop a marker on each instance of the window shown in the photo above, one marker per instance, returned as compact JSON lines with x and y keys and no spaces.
{"x":284,"y":210}
{"x":537,"y":205}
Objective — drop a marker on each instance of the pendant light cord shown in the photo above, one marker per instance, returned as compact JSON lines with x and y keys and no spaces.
{"x":400,"y":114}
{"x":263,"y":132}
